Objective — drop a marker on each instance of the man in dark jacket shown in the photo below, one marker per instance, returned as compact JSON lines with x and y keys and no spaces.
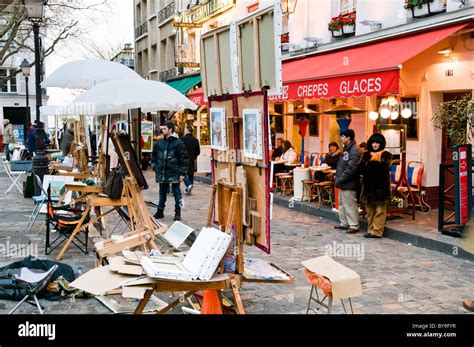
{"x":170,"y":163}
{"x":192,"y":145}
{"x":347,"y":181}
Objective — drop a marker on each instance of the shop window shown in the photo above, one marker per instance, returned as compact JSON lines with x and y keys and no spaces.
{"x":279,"y":124}
{"x":204,"y":136}
{"x":411,"y":123}
{"x":314,"y":121}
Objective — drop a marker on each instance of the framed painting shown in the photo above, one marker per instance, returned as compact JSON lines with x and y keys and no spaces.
{"x":218,"y":129}
{"x":252,"y":124}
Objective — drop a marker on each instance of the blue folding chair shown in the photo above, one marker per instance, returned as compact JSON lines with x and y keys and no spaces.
{"x":39,"y":202}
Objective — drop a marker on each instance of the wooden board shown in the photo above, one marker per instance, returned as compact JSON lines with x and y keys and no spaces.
{"x":257,"y":171}
{"x":128,"y":159}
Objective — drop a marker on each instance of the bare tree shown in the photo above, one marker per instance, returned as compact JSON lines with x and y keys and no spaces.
{"x":60,"y":24}
{"x":93,"y":50}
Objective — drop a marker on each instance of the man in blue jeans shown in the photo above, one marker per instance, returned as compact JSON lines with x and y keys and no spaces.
{"x":170,"y":163}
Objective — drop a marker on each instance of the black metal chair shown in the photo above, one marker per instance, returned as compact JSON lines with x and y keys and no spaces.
{"x":32,"y":283}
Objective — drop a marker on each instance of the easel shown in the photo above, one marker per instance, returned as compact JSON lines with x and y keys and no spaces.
{"x":132,"y":198}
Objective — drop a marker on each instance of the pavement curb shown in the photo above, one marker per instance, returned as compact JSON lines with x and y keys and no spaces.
{"x":390,"y":232}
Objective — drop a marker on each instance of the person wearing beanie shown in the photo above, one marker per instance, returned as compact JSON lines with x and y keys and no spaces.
{"x":347,"y":181}
{"x":170,"y":163}
{"x":374,"y":167}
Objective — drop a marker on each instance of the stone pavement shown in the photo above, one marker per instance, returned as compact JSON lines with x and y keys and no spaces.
{"x":396,"y":277}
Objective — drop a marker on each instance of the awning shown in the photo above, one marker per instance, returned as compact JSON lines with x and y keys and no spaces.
{"x":373,"y":69}
{"x":185,"y":84}
{"x":197,"y":96}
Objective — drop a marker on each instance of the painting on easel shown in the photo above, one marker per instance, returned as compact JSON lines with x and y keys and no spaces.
{"x":253,"y":133}
{"x":129,"y":157}
{"x":218,"y":129}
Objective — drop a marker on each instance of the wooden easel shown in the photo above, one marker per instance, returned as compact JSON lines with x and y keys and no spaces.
{"x":132,"y":198}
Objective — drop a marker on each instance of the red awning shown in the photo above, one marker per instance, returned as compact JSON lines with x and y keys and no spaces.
{"x":372,"y":69}
{"x":197,"y":96}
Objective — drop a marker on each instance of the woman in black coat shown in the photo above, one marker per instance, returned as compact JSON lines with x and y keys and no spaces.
{"x":374,"y":166}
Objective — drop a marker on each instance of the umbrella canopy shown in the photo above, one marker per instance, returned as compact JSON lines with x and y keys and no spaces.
{"x":344,"y":108}
{"x":122,"y":95}
{"x":53,"y":110}
{"x":85,"y":74}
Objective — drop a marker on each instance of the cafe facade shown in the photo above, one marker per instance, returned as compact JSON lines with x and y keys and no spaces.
{"x":396,"y":80}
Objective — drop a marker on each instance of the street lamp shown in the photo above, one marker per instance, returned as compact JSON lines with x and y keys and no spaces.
{"x":288,"y":6}
{"x":26,"y":69}
{"x":34,"y":11}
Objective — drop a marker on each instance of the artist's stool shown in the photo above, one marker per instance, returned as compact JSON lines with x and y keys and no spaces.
{"x":345,"y":283}
{"x":319,"y":282}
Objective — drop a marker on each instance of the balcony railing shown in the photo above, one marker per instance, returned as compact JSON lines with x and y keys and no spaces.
{"x":166,"y":13}
{"x":141,"y":30}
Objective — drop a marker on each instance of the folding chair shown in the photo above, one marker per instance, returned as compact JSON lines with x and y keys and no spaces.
{"x":39,"y":202}
{"x":33,"y":283}
{"x":415,"y":170}
{"x":64,"y":225}
{"x":15,"y":170}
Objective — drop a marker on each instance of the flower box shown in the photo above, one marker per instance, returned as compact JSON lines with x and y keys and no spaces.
{"x":420,"y":12}
{"x":348,"y":29}
{"x":437,"y":6}
{"x":342,"y":25}
{"x":336,"y":33}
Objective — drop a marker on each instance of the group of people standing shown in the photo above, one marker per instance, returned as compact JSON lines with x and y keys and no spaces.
{"x":173,"y":162}
{"x":373,"y":166}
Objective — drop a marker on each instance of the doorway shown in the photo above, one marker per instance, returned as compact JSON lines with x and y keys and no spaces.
{"x":18,"y":117}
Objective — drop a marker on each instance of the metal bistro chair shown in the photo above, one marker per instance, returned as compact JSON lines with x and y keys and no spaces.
{"x":32,"y":283}
{"x":39,"y":202}
{"x":15,"y":170}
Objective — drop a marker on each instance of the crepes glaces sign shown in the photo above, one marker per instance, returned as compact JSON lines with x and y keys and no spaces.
{"x":244,"y":56}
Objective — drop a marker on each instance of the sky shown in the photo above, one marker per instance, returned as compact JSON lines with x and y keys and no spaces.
{"x":104,"y":28}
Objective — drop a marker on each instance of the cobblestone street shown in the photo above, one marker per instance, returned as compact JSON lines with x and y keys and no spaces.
{"x":396,"y":277}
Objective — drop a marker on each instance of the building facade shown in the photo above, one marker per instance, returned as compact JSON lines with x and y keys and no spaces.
{"x":126,"y":56}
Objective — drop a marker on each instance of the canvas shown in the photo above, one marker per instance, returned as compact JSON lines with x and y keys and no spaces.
{"x":218,"y":129}
{"x":253,"y":133}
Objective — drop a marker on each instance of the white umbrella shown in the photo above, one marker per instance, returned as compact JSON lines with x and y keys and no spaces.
{"x":85,"y":74}
{"x":122,"y":95}
{"x":53,"y":110}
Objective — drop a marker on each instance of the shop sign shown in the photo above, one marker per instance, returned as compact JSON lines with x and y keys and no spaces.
{"x":187,"y":64}
{"x":377,"y":83}
{"x":198,"y":99}
{"x":462,"y":182}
